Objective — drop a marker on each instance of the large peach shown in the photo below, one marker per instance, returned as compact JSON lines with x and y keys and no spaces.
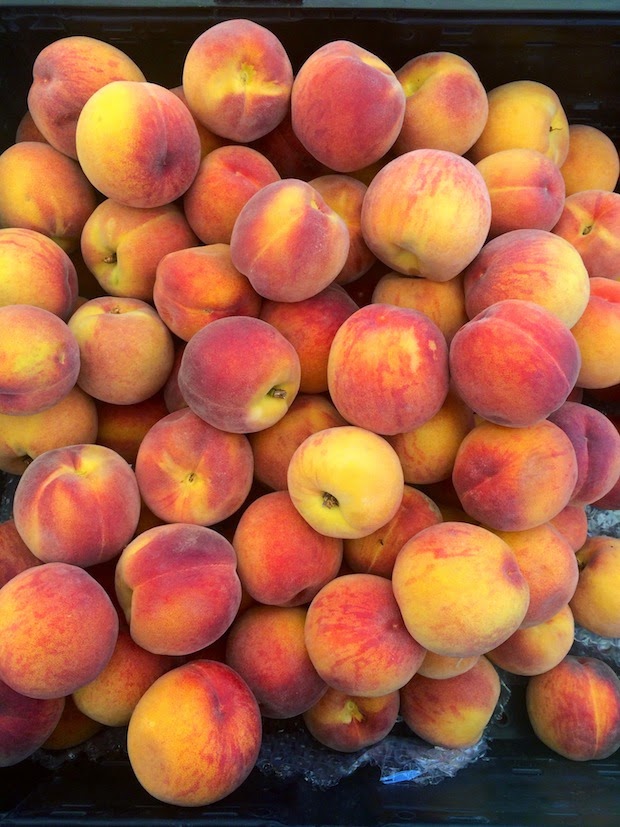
{"x":15,"y":556}
{"x":25,"y":724}
{"x":123,"y":427}
{"x":590,"y":220}
{"x":592,"y":162}
{"x":595,"y":603}
{"x":427,"y":213}
{"x":597,"y":334}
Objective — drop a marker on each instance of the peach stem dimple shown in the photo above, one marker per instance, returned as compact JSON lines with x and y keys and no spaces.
{"x":329,"y":501}
{"x":277,"y":393}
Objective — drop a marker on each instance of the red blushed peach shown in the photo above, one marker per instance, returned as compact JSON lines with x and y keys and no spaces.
{"x":41,"y":189}
{"x":597,"y":334}
{"x":137,"y":143}
{"x":345,"y":194}
{"x":388,"y":369}
{"x":198,"y":285}
{"x":376,"y":553}
{"x":273,"y":447}
{"x":356,"y":637}
{"x":171,"y":391}
{"x":122,"y":245}
{"x":443,"y":666}
{"x":27,"y":130}
{"x":25,"y":724}
{"x":347,"y":106}
{"x":499,"y":358}
{"x":15,"y":556}
{"x":572,"y":523}
{"x":281,"y":560}
{"x":574,"y":708}
{"x":77,"y":504}
{"x":288,"y":241}
{"x":512,"y":479}
{"x":126,"y":351}
{"x":548,"y":563}
{"x":226,"y":180}
{"x":73,"y":728}
{"x":266,"y":647}
{"x":208,"y":139}
{"x":195,"y":734}
{"x":427,"y":213}
{"x":446,"y":105}
{"x":71,"y":421}
{"x":39,"y":359}
{"x":237,"y":80}
{"x":191,"y":472}
{"x":65,"y":74}
{"x":611,"y":500}
{"x":34,"y":269}
{"x":442,"y":301}
{"x":534,"y":265}
{"x":538,"y":648}
{"x":526,"y":188}
{"x":239,"y":374}
{"x":595,"y":603}
{"x":524,"y":114}
{"x":123,"y":427}
{"x":310,"y":326}
{"x":289,"y":156}
{"x":427,"y":453}
{"x":178,"y":587}
{"x":459,"y":589}
{"x":347,"y":723}
{"x":590,"y":220}
{"x":73,"y":643}
{"x":111,"y":697}
{"x":452,"y":713}
{"x":592,"y":162}
{"x":596,"y":441}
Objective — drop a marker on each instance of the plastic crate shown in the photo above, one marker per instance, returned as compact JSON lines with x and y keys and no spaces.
{"x":575,"y":49}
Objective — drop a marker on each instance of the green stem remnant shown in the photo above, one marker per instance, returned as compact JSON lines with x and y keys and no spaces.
{"x":329,"y":501}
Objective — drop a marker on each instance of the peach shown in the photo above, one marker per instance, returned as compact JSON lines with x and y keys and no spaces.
{"x":356,"y":638}
{"x":548,"y":563}
{"x":345,"y":481}
{"x":237,"y":79}
{"x":226,"y":180}
{"x":195,"y":734}
{"x":27,"y":130}
{"x":266,"y":647}
{"x":73,"y":728}
{"x":524,"y":114}
{"x":172,"y":394}
{"x":446,"y":105}
{"x":281,"y":560}
{"x":348,"y":723}
{"x":388,"y":369}
{"x":25,"y":724}
{"x":377,"y":552}
{"x":148,"y":152}
{"x":35,"y":270}
{"x":590,"y":220}
{"x":58,"y":630}
{"x":513,"y":479}
{"x":592,"y":162}
{"x":595,"y":601}
{"x":77,"y":504}
{"x":310,"y":325}
{"x":39,"y":359}
{"x":123,"y":427}
{"x":15,"y":556}
{"x":442,"y":301}
{"x":178,"y":588}
{"x":597,"y":334}
{"x":208,"y":139}
{"x":572,"y":523}
{"x":427,"y":213}
{"x":288,"y":241}
{"x":427,"y":453}
{"x":347,"y":106}
{"x":188,"y":471}
{"x":534,"y":265}
{"x":122,"y":245}
{"x":273,"y":447}
{"x":514,"y":363}
{"x":443,"y":666}
{"x":126,"y":351}
{"x":574,"y":708}
{"x":111,"y":697}
{"x":459,"y":589}
{"x":611,"y":500}
{"x":285,"y":151}
{"x":70,"y":421}
{"x":43,"y":190}
{"x":239,"y":374}
{"x":452,"y":713}
{"x":197,"y":285}
{"x":527,"y":190}
{"x":538,"y":648}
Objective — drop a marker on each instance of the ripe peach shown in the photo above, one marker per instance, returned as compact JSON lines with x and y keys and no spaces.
{"x":72,"y":729}
{"x":572,"y":523}
{"x":590,"y":220}
{"x":443,"y":666}
{"x":356,"y":638}
{"x":595,"y":603}
{"x":208,"y":139}
{"x":25,"y":724}
{"x":27,"y":130}
{"x":592,"y":162}
{"x":123,"y":427}
{"x":597,"y":334}
{"x":172,"y":394}
{"x":15,"y":556}
{"x":285,"y":151}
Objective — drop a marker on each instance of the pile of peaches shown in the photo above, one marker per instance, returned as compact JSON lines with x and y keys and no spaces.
{"x":308,"y":379}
